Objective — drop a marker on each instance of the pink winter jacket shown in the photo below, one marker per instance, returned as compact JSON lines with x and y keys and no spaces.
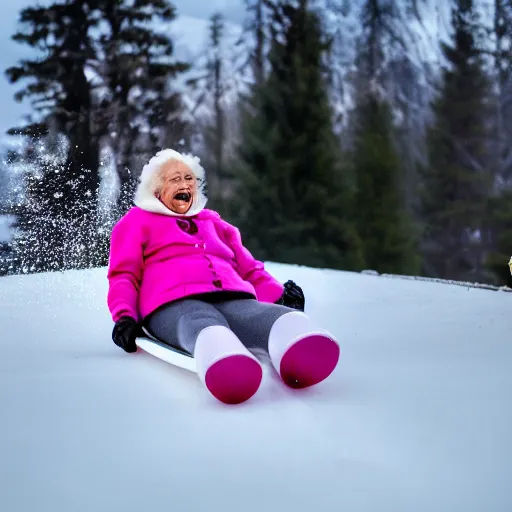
{"x":153,"y":261}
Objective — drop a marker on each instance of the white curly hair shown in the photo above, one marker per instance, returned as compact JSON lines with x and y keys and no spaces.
{"x":151,"y":181}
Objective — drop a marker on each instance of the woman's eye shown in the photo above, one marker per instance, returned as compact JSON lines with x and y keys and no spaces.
{"x":189,"y":178}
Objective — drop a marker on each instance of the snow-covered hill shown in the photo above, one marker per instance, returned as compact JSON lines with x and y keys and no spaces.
{"x":416,"y":417}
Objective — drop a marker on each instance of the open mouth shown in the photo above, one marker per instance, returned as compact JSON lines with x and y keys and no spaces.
{"x":183,"y":196}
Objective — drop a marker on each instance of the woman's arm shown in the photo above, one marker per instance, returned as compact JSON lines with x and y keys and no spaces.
{"x":125,"y":268}
{"x":268,"y":289}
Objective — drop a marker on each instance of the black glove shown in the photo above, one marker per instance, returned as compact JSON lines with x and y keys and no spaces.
{"x":293,"y":296}
{"x":124,"y":334}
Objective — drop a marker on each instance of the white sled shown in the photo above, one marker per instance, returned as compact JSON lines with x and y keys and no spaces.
{"x":166,"y":353}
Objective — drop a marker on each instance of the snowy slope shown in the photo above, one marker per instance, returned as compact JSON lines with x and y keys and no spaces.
{"x":6,"y":222}
{"x":416,"y":418}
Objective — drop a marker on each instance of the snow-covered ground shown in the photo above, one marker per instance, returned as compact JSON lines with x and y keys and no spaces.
{"x":417,"y":417}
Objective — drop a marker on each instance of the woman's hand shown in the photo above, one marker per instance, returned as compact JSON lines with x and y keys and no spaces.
{"x":124,"y":334}
{"x":293,"y":296}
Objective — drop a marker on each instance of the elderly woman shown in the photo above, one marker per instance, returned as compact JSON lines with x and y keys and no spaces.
{"x":181,"y":271}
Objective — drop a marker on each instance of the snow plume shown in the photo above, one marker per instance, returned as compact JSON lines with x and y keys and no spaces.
{"x":59,"y":223}
{"x":109,"y":187}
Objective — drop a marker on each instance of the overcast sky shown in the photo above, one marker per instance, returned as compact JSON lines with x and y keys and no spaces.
{"x":11,"y":52}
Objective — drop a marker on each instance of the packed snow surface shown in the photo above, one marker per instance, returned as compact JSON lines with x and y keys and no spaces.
{"x":417,"y":417}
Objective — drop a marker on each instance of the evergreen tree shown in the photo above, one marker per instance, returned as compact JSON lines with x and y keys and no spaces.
{"x":138,"y":111}
{"x":61,"y":95}
{"x":60,"y":91}
{"x":457,"y":181}
{"x":255,"y":25}
{"x":214,"y":128}
{"x":502,"y":37}
{"x":103,"y":78}
{"x":215,"y":87}
{"x":500,"y":209}
{"x":501,"y":215}
{"x":382,"y":222}
{"x":293,"y":196}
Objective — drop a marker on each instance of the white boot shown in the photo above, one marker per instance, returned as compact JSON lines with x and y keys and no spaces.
{"x":301,"y":353}
{"x":225,"y":366}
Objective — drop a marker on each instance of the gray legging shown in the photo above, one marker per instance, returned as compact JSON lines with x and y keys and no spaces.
{"x":179,"y":323}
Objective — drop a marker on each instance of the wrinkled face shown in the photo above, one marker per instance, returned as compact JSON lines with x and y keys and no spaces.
{"x":177,"y":186}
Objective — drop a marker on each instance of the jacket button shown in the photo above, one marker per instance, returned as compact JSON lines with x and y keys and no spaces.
{"x":217,"y":283}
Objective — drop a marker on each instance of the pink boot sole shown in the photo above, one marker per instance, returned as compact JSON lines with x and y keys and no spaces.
{"x":309,"y":361}
{"x":234,"y":379}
